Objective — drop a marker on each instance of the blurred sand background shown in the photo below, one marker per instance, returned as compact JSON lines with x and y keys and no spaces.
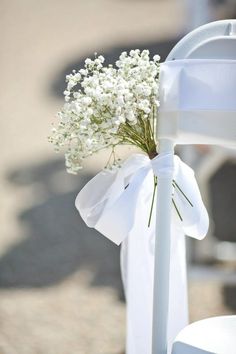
{"x":60,"y":287}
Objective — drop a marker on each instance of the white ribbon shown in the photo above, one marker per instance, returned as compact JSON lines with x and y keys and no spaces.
{"x":117,"y":204}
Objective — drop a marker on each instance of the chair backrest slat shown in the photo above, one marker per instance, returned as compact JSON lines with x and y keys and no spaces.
{"x":198,"y":101}
{"x":198,"y":87}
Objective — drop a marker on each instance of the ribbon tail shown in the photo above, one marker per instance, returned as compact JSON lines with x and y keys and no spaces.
{"x":137,"y":267}
{"x":188,"y":200}
{"x":137,"y":275}
{"x":137,"y":263}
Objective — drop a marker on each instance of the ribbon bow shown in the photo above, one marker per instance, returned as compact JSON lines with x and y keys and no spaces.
{"x":117,"y":204}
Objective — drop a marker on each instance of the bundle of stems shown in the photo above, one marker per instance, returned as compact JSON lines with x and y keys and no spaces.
{"x":142,"y":135}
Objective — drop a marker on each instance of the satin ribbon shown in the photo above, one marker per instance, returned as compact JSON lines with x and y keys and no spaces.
{"x":117,"y":204}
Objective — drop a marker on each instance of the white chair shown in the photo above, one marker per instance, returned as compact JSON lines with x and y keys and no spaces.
{"x":213,"y":335}
{"x":188,"y":121}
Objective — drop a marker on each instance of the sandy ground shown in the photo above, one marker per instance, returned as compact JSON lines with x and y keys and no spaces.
{"x":60,"y":287}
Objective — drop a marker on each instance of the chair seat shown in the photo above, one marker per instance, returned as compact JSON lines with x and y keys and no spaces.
{"x":213,"y":335}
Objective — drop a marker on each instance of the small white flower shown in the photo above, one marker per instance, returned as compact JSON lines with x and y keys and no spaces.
{"x":101,"y":58}
{"x":89,"y":111}
{"x":87,"y":100}
{"x":120,"y":100}
{"x":83,"y":72}
{"x":131,"y":116}
{"x":77,"y":77}
{"x":88,"y":61}
{"x":121,"y":119}
{"x":156,"y":58}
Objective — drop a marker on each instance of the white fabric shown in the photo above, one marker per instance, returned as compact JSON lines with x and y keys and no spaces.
{"x":198,"y":101}
{"x":117,"y":204}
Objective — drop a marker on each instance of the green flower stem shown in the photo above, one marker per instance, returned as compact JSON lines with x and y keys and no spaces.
{"x":177,"y":210}
{"x":153,"y":198}
{"x":175,"y":185}
{"x":131,"y":131}
{"x":153,"y":121}
{"x":127,"y":140}
{"x":141,"y":134}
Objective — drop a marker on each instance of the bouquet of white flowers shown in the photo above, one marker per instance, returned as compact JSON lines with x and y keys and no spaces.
{"x":108,"y":106}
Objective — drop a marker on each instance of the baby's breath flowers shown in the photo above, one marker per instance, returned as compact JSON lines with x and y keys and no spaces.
{"x":106,"y":106}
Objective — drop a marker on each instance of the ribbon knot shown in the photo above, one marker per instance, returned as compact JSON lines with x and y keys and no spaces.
{"x":163,"y":165}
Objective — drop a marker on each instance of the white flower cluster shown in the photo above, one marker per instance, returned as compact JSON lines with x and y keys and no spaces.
{"x":99,"y":100}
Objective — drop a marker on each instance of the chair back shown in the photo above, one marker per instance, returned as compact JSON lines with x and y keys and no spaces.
{"x":198,"y":87}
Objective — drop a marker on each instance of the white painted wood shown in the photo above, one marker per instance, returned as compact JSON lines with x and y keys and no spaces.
{"x":162,"y":256}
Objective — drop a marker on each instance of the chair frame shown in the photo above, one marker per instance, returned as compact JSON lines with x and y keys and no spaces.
{"x":210,"y":41}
